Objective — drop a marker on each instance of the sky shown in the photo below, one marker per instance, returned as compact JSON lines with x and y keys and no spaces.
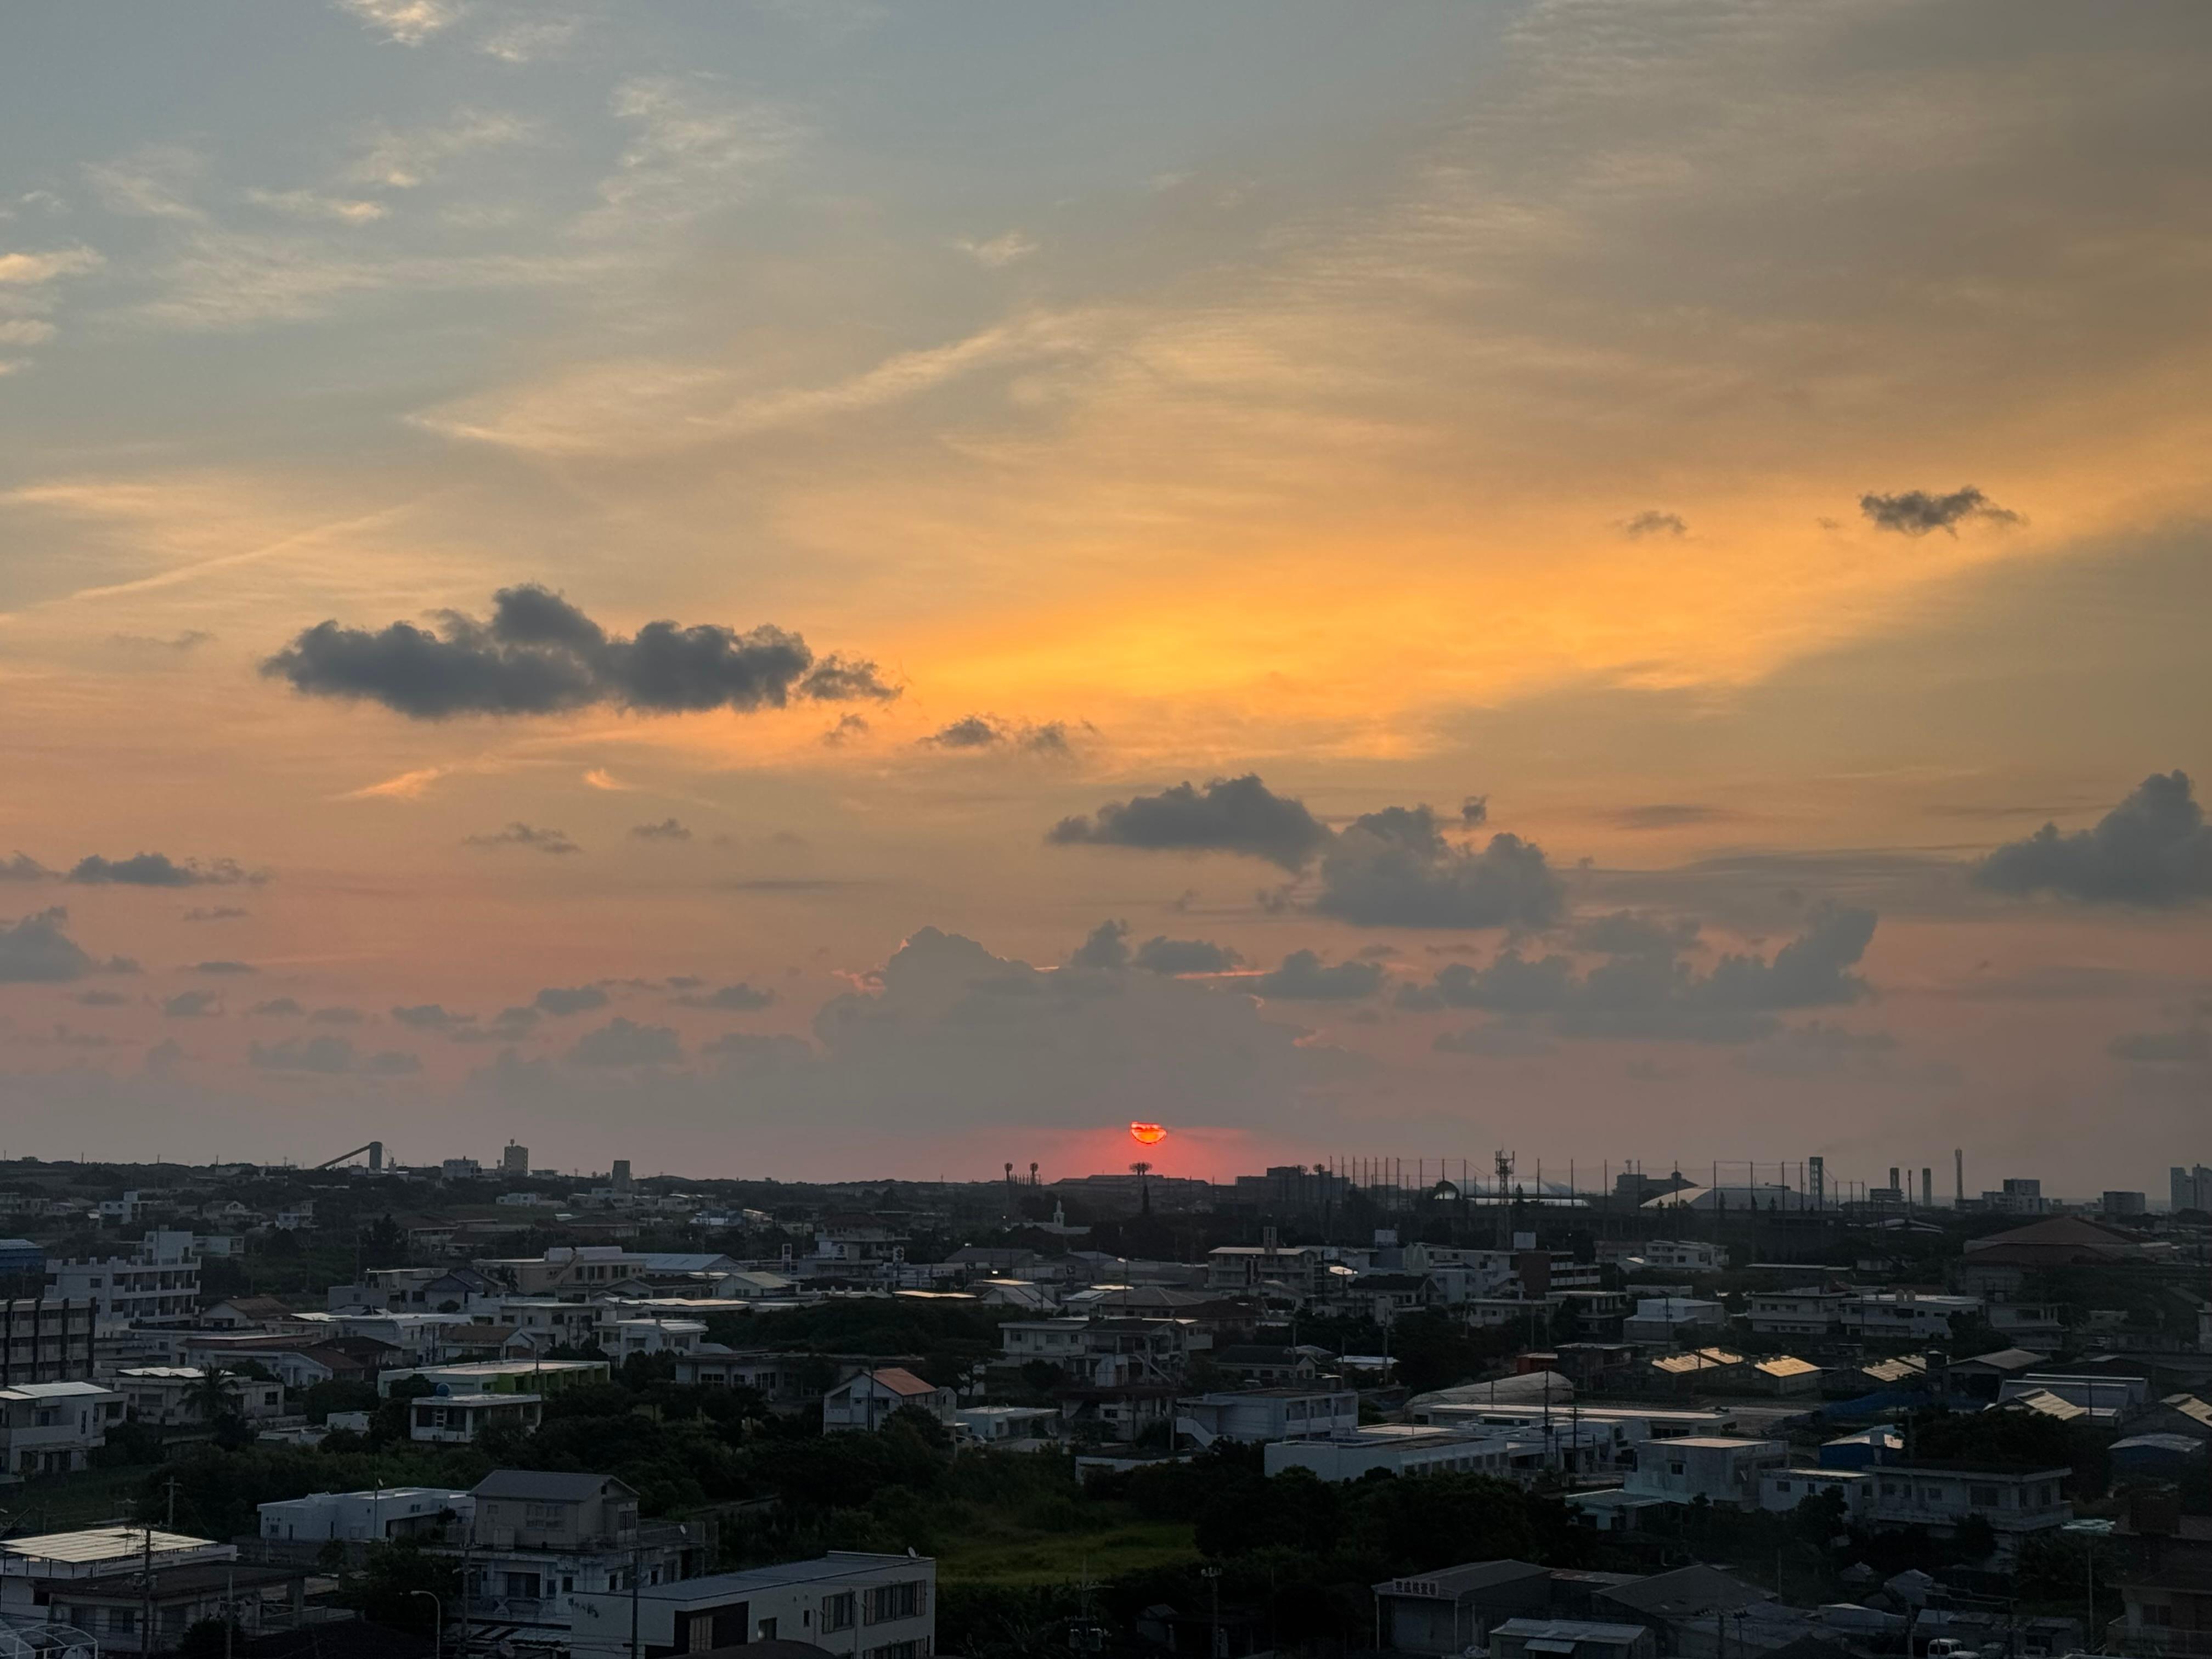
{"x":816,"y":589}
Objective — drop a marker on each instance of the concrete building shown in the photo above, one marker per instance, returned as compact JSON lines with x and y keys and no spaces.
{"x":426,"y":1513}
{"x":157,"y":1285}
{"x":1907,"y":1316}
{"x":2192,"y":1189}
{"x":1667,"y":1318}
{"x":1783,"y":1489}
{"x":1405,"y":1449}
{"x":52,"y":1428}
{"x":456,"y":1420}
{"x":540,"y":1542}
{"x":46,"y":1340}
{"x":170,"y":1396}
{"x":1240,"y":1269}
{"x":542,"y":1377}
{"x":847,"y":1603}
{"x":1809,"y":1310}
{"x":1011,"y":1428}
{"x":1264,"y":1414}
{"x":1941,"y":1496}
{"x":1720,"y":1468}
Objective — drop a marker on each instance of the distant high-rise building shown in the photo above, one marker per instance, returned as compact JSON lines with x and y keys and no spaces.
{"x":2192,"y":1187}
{"x":620,"y":1182}
{"x":2119,"y":1204}
{"x":515,"y":1160}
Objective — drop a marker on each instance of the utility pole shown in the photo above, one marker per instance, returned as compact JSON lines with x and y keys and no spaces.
{"x":636,"y":1576}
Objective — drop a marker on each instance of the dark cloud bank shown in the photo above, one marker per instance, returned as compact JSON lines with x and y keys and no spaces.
{"x":2153,"y":850}
{"x":1916,"y":512}
{"x":539,"y":655}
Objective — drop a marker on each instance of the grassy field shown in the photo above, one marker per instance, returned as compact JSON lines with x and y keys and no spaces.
{"x":994,"y":1556}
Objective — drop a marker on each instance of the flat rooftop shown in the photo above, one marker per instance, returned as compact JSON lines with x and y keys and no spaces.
{"x":720,"y":1586}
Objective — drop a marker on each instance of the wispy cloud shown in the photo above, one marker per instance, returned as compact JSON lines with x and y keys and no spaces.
{"x":407,"y":158}
{"x":313,"y":204}
{"x":999,"y":250}
{"x":406,"y":22}
{"x":25,"y":269}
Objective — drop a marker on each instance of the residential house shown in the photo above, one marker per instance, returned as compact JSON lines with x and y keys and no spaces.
{"x":1786,"y":1374}
{"x":1907,"y":1316}
{"x":1982,"y":1377}
{"x":868,"y":1399}
{"x":783,"y":1379}
{"x":1783,"y":1489}
{"x":297,"y":1362}
{"x":52,"y":1428}
{"x":1011,"y":1428}
{"x":543,"y":1377}
{"x":2167,"y":1608}
{"x":97,"y":1581}
{"x":1668,"y":1603}
{"x":249,"y":1312}
{"x":1689,"y":1255}
{"x":846,"y":1603}
{"x":1268,"y":1366}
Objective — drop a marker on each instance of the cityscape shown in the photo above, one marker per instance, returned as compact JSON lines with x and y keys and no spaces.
{"x":1015,"y":829}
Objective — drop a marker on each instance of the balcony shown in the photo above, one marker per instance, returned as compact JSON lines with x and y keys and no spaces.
{"x":2158,"y":1640}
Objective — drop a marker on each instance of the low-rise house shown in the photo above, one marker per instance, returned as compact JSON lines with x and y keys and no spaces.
{"x":249,"y":1312}
{"x":846,"y":1603}
{"x":450,"y":1419}
{"x":868,"y":1399}
{"x":106,"y":1581}
{"x":1717,"y":1370}
{"x":426,"y":1513}
{"x":52,"y":1428}
{"x":1668,"y":1603}
{"x":1862,"y":1450}
{"x":783,"y":1379}
{"x":1693,"y":1255}
{"x":1719,"y":1469}
{"x":2177,"y":1413}
{"x":2167,"y":1608}
{"x":2170,"y":1457}
{"x":1521,"y":1456}
{"x":175,"y":1396}
{"x":1268,"y":1366}
{"x":2107,"y":1399}
{"x":1983,"y":1376}
{"x":2026,"y":1324}
{"x":1940,"y":1495}
{"x":1265,"y":1414}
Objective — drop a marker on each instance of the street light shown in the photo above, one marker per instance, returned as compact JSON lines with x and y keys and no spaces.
{"x":1212,"y":1576}
{"x":438,"y":1630}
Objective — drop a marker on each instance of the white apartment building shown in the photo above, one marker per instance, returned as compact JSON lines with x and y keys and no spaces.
{"x":379,"y":1515}
{"x":1719,"y":1469}
{"x":1664,"y":1318}
{"x":157,"y":1285}
{"x":51,"y":1428}
{"x":863,"y":1606}
{"x":1268,"y":1414}
{"x":1405,"y":1449}
{"x":1692,"y":1255}
{"x":1809,"y":1310}
{"x":1781,"y":1491}
{"x":170,"y":1396}
{"x":1916,"y":1316}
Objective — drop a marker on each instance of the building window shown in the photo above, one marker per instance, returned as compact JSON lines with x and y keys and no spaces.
{"x":901,"y":1600}
{"x":837,"y":1610}
{"x":1982,"y":1497}
{"x":897,"y":1650}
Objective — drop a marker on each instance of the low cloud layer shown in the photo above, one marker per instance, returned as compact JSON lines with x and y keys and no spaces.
{"x":35,"y":950}
{"x":155,"y":869}
{"x":539,"y":655}
{"x":1395,"y":869}
{"x":2153,"y":850}
{"x":519,"y":833}
{"x":1916,"y":512}
{"x":1228,"y":815}
{"x":1646,"y":990}
{"x":1304,"y":978}
{"x":977,"y":732}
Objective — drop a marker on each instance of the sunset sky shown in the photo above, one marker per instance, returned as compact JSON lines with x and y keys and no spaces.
{"x":1387,"y":579}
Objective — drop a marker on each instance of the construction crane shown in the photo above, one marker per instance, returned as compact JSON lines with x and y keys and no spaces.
{"x":374,"y":1149}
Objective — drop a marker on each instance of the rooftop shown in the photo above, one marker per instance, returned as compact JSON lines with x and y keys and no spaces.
{"x":723,"y":1586}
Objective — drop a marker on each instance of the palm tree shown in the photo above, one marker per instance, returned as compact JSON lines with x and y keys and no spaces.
{"x":214,"y":1397}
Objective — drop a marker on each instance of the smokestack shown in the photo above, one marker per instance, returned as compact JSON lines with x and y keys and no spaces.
{"x":1927,"y":1188}
{"x":1959,"y":1175}
{"x":1892,"y":1178}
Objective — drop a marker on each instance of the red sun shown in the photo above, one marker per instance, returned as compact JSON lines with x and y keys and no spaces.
{"x":1148,"y":1135}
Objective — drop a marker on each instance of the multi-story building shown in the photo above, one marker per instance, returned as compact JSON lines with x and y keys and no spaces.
{"x":157,"y":1285}
{"x":1809,"y":1310}
{"x":460,"y":1419}
{"x":176,"y":1397}
{"x":1940,"y":1496}
{"x":46,"y":1340}
{"x":1239,"y":1269}
{"x":539,"y":1542}
{"x":2191,"y":1188}
{"x":1908,"y":1316}
{"x":1719,"y":1469}
{"x":1689,"y":1255}
{"x":52,"y":1428}
{"x":1265,"y":1414}
{"x":851,"y":1604}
